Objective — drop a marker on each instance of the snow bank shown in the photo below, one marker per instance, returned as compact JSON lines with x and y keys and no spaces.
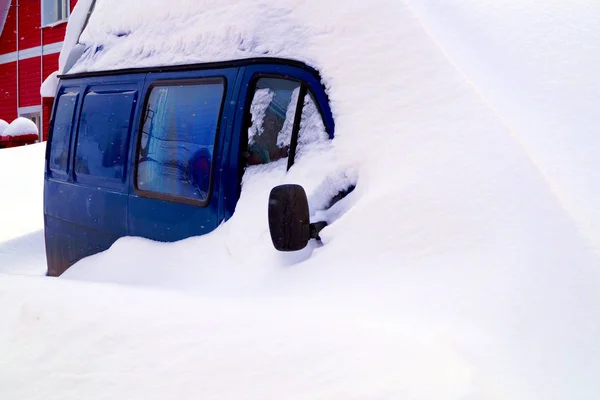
{"x":21,"y":214}
{"x":114,"y":343}
{"x":21,"y":127}
{"x":537,"y":63}
{"x":455,"y":233}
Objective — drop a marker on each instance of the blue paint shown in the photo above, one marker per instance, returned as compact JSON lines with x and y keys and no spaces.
{"x":97,"y":187}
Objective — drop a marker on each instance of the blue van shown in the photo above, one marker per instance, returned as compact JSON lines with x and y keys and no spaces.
{"x":160,"y":152}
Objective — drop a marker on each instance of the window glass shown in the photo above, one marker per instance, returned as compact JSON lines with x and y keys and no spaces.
{"x":103,"y":133}
{"x":312,"y":129}
{"x":272,"y":114}
{"x":54,"y":11}
{"x":178,"y":137}
{"x":61,"y":133}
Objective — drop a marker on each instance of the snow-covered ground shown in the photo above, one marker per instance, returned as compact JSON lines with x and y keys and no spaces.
{"x":464,"y":265}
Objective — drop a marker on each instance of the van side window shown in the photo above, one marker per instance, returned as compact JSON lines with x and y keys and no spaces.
{"x":61,"y":132}
{"x":271,"y":119}
{"x":312,"y":128}
{"x":102,"y":135}
{"x":176,"y":147}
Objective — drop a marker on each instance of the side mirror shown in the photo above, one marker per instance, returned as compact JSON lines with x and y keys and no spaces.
{"x":289,"y":220}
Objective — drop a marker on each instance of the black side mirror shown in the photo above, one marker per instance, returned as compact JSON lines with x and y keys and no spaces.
{"x":289,"y":221}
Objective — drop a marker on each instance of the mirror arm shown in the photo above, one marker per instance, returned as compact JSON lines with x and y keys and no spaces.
{"x":316,"y":228}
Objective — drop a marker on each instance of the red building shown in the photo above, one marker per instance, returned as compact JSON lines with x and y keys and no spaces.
{"x":32,"y":33}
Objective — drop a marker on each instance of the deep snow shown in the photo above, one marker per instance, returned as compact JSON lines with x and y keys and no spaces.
{"x":459,"y":268}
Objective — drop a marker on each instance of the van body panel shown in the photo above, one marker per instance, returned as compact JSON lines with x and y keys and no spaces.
{"x":86,"y":212}
{"x":163,"y":220}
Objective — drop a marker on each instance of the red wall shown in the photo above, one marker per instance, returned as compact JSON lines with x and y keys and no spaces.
{"x":8,"y":92}
{"x":8,"y":39}
{"x":29,"y":82}
{"x":29,"y":23}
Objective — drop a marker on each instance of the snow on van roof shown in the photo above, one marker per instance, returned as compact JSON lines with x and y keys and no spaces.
{"x":201,"y":31}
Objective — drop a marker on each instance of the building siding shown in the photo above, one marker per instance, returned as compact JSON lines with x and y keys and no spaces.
{"x":29,"y":24}
{"x":8,"y":92}
{"x":29,"y":82}
{"x":8,"y":39}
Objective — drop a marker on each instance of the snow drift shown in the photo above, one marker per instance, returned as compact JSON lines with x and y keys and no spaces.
{"x":459,"y":227}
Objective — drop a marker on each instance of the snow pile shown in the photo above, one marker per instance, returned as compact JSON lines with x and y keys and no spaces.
{"x":20,"y":127}
{"x":3,"y":126}
{"x":537,"y":64}
{"x":455,"y":269}
{"x":50,"y":85}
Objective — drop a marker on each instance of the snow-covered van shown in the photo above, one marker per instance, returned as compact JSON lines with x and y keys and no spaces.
{"x":160,"y":152}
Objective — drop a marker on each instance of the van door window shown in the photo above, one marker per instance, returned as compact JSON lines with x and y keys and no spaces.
{"x":312,"y":131}
{"x":176,"y":147}
{"x":102,"y":138}
{"x":271,"y":119}
{"x":61,"y":132}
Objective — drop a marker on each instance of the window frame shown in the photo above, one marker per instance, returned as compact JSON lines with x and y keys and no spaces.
{"x":169,"y":83}
{"x":304,"y":89}
{"x":35,"y":117}
{"x":48,"y":24}
{"x":54,"y":173}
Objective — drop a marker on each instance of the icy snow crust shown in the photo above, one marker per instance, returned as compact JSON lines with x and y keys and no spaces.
{"x":455,"y":270}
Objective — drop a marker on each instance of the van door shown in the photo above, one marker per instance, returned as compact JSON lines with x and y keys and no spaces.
{"x":285,"y":110}
{"x":86,"y":188}
{"x":178,"y":160}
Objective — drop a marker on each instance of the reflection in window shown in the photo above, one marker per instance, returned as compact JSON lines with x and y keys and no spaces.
{"x":272,"y":112}
{"x":61,"y":132}
{"x":103,"y":132}
{"x":178,"y":138}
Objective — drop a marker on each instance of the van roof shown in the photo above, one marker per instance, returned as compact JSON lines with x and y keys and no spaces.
{"x":195,"y":66}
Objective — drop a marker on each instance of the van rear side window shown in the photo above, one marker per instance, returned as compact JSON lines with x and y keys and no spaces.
{"x":102,"y":138}
{"x":61,"y":132}
{"x":176,"y":147}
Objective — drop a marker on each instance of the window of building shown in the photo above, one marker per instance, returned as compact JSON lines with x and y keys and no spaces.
{"x":103,"y":133}
{"x":61,"y":131}
{"x":54,"y":11}
{"x":35,"y":117}
{"x":177,"y":142}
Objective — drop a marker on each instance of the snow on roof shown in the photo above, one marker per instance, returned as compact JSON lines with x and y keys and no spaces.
{"x":21,"y":127}
{"x":202,"y":31}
